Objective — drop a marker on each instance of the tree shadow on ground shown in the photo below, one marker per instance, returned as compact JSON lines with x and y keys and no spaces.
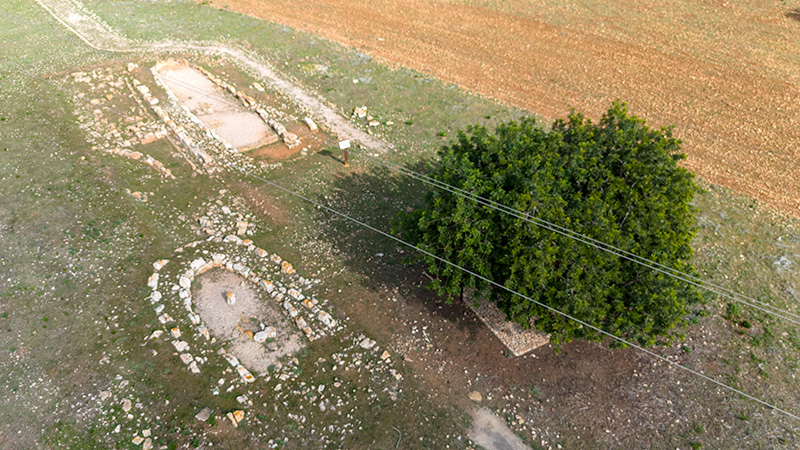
{"x":793,"y":14}
{"x":376,"y":196}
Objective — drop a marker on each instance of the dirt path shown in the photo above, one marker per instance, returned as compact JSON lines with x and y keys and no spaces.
{"x":724,"y":73}
{"x":100,"y":37}
{"x":491,"y":433}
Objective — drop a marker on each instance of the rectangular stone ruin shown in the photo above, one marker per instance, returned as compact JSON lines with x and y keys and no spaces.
{"x":518,"y":340}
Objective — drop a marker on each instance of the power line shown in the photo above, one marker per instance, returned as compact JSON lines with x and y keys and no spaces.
{"x":512,"y":291}
{"x":493,"y":283}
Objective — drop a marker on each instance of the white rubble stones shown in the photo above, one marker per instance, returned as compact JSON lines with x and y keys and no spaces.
{"x":266,"y":333}
{"x":126,"y":405}
{"x":326,"y":319}
{"x":232,"y":360}
{"x":310,"y":303}
{"x":230,"y":298}
{"x":137,"y":440}
{"x":241,"y":227}
{"x":287,"y":305}
{"x":165,"y":318}
{"x":180,"y":346}
{"x":310,"y":123}
{"x":235,"y":417}
{"x":153,"y":281}
{"x":245,"y":374}
{"x":245,"y":259}
{"x":204,"y":332}
{"x":147,"y":444}
{"x":198,"y":264}
{"x":366,"y":343}
{"x":232,"y":239}
{"x":155,"y":296}
{"x":266,"y":285}
{"x":142,"y":197}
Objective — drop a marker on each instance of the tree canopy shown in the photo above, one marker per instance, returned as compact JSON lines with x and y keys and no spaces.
{"x":616,"y":181}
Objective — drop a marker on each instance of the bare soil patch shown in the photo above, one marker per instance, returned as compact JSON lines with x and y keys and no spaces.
{"x":492,"y":433}
{"x":724,"y":74}
{"x":251,"y":309}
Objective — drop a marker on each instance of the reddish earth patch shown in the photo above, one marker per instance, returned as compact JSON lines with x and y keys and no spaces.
{"x":724,"y":73}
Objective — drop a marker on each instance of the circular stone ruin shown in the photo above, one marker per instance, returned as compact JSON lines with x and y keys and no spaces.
{"x":228,"y":291}
{"x":252,"y":327}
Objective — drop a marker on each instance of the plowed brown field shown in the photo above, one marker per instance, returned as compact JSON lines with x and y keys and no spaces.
{"x":725,"y":73}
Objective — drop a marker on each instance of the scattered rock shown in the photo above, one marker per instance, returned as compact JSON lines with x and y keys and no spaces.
{"x":311,"y":125}
{"x":203,"y":414}
{"x":266,"y":333}
{"x":238,"y":415}
{"x":475,"y":396}
{"x":180,"y":345}
{"x":126,"y":405}
{"x":367,"y":343}
{"x":232,"y":419}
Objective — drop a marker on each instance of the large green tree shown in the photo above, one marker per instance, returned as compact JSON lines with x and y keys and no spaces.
{"x":616,"y":181}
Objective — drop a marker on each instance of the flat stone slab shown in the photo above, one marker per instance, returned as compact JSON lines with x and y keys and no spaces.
{"x":518,"y":340}
{"x":203,"y":415}
{"x":223,"y":113}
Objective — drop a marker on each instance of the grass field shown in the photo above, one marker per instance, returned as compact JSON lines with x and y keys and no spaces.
{"x":75,"y":252}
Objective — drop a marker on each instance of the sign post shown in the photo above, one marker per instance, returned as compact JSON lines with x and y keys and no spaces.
{"x":344,"y":145}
